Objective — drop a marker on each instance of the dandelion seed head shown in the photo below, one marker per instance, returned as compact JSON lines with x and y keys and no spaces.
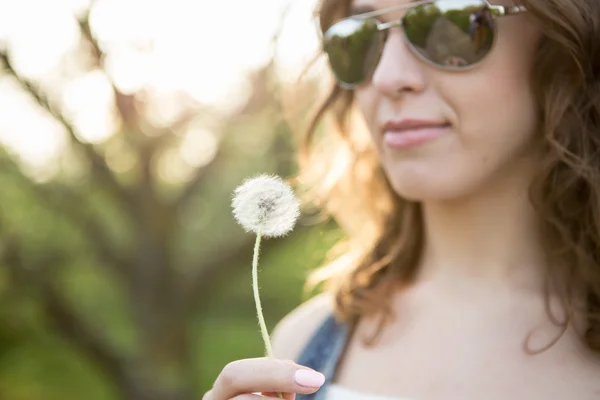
{"x":267,"y":204}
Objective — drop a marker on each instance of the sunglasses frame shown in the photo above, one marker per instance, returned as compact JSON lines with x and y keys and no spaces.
{"x":496,"y":12}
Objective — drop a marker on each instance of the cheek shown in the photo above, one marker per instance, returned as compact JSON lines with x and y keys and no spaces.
{"x":366,"y":100}
{"x":494,"y":104}
{"x":500,"y":87}
{"x":499,"y":115}
{"x":500,"y":95}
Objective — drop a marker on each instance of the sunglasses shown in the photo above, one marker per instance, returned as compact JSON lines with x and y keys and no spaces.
{"x":451,"y":35}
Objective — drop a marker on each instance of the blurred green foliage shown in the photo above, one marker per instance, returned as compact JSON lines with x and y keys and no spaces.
{"x":37,"y":364}
{"x":230,"y":330}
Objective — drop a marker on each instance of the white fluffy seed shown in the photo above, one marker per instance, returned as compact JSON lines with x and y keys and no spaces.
{"x":267,"y":204}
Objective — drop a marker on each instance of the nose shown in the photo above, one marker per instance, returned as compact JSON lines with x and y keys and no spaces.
{"x":398,"y":71}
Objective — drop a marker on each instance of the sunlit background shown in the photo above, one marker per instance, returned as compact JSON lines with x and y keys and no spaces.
{"x":164,"y":47}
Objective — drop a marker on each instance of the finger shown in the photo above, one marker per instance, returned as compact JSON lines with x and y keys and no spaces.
{"x":207,"y":395}
{"x":257,"y":375}
{"x":286,"y":396}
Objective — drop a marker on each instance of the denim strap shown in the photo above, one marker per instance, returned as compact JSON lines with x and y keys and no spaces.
{"x":323,"y":352}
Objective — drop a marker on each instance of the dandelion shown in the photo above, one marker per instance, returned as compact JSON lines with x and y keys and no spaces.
{"x":267,"y":206}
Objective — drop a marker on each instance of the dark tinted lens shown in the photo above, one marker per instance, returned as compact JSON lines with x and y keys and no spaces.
{"x":352,"y":46}
{"x":450,"y":33}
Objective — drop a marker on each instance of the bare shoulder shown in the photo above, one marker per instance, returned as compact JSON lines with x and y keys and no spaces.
{"x":293,"y":332}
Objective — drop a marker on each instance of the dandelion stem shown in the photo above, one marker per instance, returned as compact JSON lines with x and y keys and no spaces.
{"x":259,"y":313}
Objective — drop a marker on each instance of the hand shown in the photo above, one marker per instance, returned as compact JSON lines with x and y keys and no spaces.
{"x":252,"y":379}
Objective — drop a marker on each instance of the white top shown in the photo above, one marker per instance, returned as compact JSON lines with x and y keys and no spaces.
{"x":336,"y":392}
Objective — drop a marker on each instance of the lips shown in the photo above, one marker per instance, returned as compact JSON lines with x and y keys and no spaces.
{"x":412,"y":132}
{"x":411,"y":124}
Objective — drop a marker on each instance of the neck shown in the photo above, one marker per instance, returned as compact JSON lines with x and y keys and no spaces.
{"x":488,"y":239}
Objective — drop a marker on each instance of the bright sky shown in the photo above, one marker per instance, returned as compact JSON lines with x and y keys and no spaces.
{"x":199,"y":46}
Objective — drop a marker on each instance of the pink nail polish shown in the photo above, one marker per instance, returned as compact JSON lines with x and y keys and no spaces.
{"x":309,"y":378}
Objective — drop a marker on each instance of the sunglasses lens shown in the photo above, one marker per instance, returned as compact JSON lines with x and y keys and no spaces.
{"x":452,"y":34}
{"x":353,"y":46}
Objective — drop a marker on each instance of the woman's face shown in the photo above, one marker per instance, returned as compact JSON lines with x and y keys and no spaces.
{"x":487,"y":115}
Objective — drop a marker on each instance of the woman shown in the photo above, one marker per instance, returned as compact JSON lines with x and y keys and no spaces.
{"x":473,"y":210}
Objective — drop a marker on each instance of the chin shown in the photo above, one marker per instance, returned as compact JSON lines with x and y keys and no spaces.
{"x":424,"y":193}
{"x":421,"y":187}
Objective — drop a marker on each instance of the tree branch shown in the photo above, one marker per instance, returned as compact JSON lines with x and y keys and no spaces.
{"x":99,"y":166}
{"x":278,"y":31}
{"x":76,"y":331}
{"x":61,"y":314}
{"x":85,"y":221}
{"x":201,"y":175}
{"x":125,"y":103}
{"x":84,"y":25}
{"x":70,"y":206}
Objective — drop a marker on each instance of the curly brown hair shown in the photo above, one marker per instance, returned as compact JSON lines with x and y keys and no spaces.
{"x":385,"y":232}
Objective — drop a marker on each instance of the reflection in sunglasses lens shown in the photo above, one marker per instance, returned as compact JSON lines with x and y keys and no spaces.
{"x":353,"y":46}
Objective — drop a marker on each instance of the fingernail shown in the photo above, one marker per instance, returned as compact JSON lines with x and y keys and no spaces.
{"x":309,"y":378}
